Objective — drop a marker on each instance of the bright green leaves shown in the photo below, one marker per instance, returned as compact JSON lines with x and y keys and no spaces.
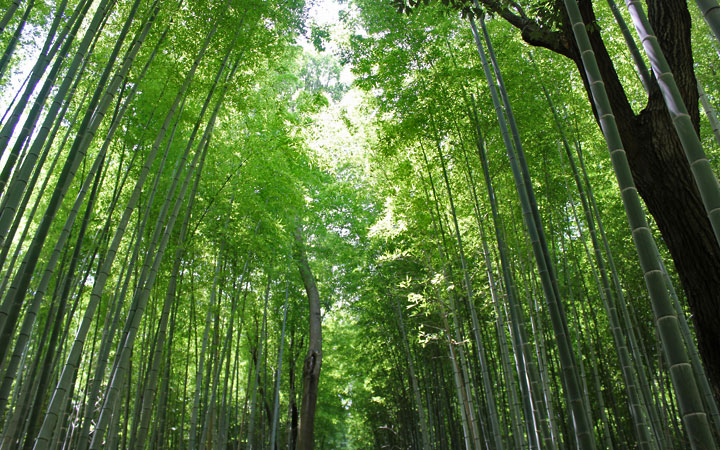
{"x":319,"y":35}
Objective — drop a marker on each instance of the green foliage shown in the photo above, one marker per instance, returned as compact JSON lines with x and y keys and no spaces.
{"x":357,"y":165}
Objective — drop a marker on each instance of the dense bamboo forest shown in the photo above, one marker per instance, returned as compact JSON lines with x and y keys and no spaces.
{"x":355,"y":224}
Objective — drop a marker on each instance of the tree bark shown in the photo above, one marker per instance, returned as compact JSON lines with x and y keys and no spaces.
{"x":662,"y":174}
{"x":313,"y":360}
{"x":657,"y":161}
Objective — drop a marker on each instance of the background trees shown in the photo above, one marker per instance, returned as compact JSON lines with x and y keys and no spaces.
{"x":167,"y":168}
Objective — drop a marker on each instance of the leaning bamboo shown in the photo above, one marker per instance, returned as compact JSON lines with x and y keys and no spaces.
{"x":12,"y":45}
{"x":702,"y":171}
{"x":581,"y":419}
{"x":71,"y":366}
{"x":686,"y":389}
{"x":709,"y":112}
{"x":711,"y":13}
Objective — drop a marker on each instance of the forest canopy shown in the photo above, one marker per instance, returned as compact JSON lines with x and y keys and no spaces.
{"x":359,"y":224}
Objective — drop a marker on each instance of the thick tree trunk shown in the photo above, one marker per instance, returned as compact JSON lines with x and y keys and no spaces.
{"x":661,"y":171}
{"x":313,"y":360}
{"x":657,"y":160}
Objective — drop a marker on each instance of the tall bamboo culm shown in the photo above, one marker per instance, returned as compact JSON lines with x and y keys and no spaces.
{"x":692,"y":410}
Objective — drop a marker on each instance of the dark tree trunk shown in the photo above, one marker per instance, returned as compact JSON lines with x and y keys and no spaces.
{"x":657,"y":161}
{"x":313,"y":360}
{"x":661,"y":171}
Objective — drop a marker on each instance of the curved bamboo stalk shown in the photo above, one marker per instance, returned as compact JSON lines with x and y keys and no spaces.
{"x":144,"y":294}
{"x":61,"y":47}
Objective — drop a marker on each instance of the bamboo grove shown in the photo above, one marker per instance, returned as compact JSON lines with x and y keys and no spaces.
{"x":210,"y":238}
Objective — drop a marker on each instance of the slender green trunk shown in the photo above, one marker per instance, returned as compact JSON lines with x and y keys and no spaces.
{"x":471,"y":434}
{"x":128,"y":340}
{"x":525,"y":362}
{"x":710,"y":113}
{"x":7,"y":17}
{"x":425,"y":441}
{"x":199,"y":373}
{"x":48,"y":52}
{"x":487,"y":387}
{"x":20,"y":285}
{"x":640,"y":66}
{"x":104,"y":271}
{"x":278,"y":372}
{"x":631,"y":368}
{"x":10,"y":49}
{"x":581,"y":419}
{"x":703,"y":174}
{"x":259,"y":350}
{"x":159,"y":341}
{"x":692,"y":410}
{"x":711,"y":13}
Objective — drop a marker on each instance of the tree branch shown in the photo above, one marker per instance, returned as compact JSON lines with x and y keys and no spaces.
{"x":531,"y":31}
